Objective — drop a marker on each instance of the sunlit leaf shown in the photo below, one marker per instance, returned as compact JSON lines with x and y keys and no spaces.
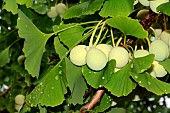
{"x":50,"y":92}
{"x":151,"y":84}
{"x":76,"y":82}
{"x":34,"y":44}
{"x":117,"y":110}
{"x":128,"y":26}
{"x":28,"y":3}
{"x":164,"y":8}
{"x":143,"y":63}
{"x":11,"y":6}
{"x":4,"y":57}
{"x":120,"y":83}
{"x":59,"y":48}
{"x":85,"y":8}
{"x":40,"y":8}
{"x":99,"y":78}
{"x":113,"y":8}
{"x":166,"y":64}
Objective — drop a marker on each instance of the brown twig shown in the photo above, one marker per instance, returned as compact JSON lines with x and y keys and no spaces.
{"x":5,"y":92}
{"x":95,"y":99}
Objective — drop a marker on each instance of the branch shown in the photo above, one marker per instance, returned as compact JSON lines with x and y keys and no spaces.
{"x":95,"y":100}
{"x":5,"y":92}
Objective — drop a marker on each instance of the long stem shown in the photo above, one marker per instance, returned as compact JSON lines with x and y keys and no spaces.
{"x":148,"y":41}
{"x":94,"y":32}
{"x":118,"y":42}
{"x":98,"y":37}
{"x":113,"y":40}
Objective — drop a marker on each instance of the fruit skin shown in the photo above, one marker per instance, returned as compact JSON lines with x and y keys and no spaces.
{"x":60,"y":8}
{"x":19,"y":99}
{"x":155,"y":3}
{"x":165,"y":36}
{"x":96,"y":59}
{"x":105,"y":48}
{"x":78,"y":55}
{"x":159,"y":49}
{"x":21,"y":59}
{"x":52,"y":12}
{"x":144,"y":2}
{"x":121,"y":56}
{"x":141,"y":53}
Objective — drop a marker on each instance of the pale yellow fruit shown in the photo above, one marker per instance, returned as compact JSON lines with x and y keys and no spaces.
{"x":158,"y":33}
{"x":136,"y":98}
{"x":19,"y":99}
{"x":52,"y":12}
{"x":135,"y":2}
{"x":144,"y":2}
{"x":155,"y":3}
{"x":78,"y":55}
{"x":141,"y":53}
{"x":105,"y":48}
{"x":158,"y":69}
{"x":121,"y":56}
{"x":60,"y":8}
{"x":159,"y":49}
{"x":96,"y":59}
{"x":165,"y":36}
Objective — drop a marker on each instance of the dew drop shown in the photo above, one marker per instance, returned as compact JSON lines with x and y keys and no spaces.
{"x":56,"y":77}
{"x":100,"y":85}
{"x":41,"y":92}
{"x":52,"y":88}
{"x":140,"y":82}
{"x":136,"y":76}
{"x":103,"y":78}
{"x":149,"y":83}
{"x":18,"y":18}
{"x":165,"y":90}
{"x":41,"y":83}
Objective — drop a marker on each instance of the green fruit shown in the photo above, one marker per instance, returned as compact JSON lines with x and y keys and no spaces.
{"x":21,"y":59}
{"x":105,"y":48}
{"x":141,"y":53}
{"x":78,"y":55}
{"x":96,"y":59}
{"x":52,"y":12}
{"x":60,"y":8}
{"x":158,"y":69}
{"x":19,"y":99}
{"x":159,"y":49}
{"x":121,"y":56}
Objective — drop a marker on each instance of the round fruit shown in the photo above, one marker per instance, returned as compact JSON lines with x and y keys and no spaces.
{"x":60,"y":8}
{"x":165,"y":36}
{"x":78,"y":55}
{"x":158,"y":32}
{"x":19,"y":99}
{"x":135,"y":2}
{"x":121,"y":56}
{"x":158,"y":69}
{"x":96,"y":59}
{"x":21,"y":59}
{"x":105,"y":48}
{"x":52,"y":12}
{"x":141,"y":53}
{"x":155,"y":3}
{"x":159,"y":49}
{"x":144,"y":2}
{"x":142,"y":13}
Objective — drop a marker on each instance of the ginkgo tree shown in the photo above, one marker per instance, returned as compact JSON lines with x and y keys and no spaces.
{"x":83,"y":55}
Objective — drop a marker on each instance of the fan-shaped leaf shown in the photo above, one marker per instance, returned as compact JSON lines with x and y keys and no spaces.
{"x":166,"y":65}
{"x":120,"y":83}
{"x":164,"y":8}
{"x":34,"y":44}
{"x":151,"y":84}
{"x":11,"y":6}
{"x":128,"y":26}
{"x":4,"y":57}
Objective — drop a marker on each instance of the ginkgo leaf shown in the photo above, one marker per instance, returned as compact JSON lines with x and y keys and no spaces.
{"x":11,"y":6}
{"x":120,"y":83}
{"x":28,"y":3}
{"x":34,"y":44}
{"x":166,"y":65}
{"x":164,"y":8}
{"x":151,"y":83}
{"x":113,"y":8}
{"x":4,"y":57}
{"x":85,"y":8}
{"x":50,"y":92}
{"x":128,"y":26}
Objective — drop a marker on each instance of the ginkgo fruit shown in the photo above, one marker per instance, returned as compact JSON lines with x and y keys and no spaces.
{"x":165,"y":36}
{"x":141,"y":53}
{"x":78,"y":55}
{"x":96,"y":59}
{"x":158,"y":69}
{"x":60,"y":8}
{"x":52,"y":12}
{"x":105,"y":48}
{"x":19,"y":99}
{"x":21,"y":59}
{"x":159,"y":49}
{"x":144,"y":2}
{"x":155,"y":3}
{"x":121,"y":56}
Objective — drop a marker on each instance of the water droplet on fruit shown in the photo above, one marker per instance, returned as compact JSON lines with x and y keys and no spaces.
{"x":140,"y":82}
{"x":103,"y":78}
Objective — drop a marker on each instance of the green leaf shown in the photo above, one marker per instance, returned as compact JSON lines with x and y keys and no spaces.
{"x":117,"y":110}
{"x":143,"y":63}
{"x":99,"y":78}
{"x":59,"y":48}
{"x":105,"y":103}
{"x":71,"y":36}
{"x":120,"y":83}
{"x":164,"y":8}
{"x":4,"y":57}
{"x":128,"y":26}
{"x":50,"y":92}
{"x":113,"y":8}
{"x":28,"y":3}
{"x":85,"y":8}
{"x":76,"y":82}
{"x":166,"y":65}
{"x":11,"y":6}
{"x":40,"y":8}
{"x":34,"y":44}
{"x":151,"y":84}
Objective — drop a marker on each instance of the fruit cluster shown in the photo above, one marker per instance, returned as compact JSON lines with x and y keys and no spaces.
{"x":19,"y":101}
